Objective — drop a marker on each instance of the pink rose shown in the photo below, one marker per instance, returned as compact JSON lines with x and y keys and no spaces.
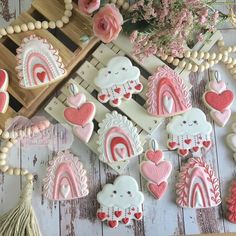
{"x":107,"y":23}
{"x":88,"y":6}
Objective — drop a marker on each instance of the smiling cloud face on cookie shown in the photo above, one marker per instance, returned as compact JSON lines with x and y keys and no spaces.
{"x":190,"y":123}
{"x":123,"y":193}
{"x":119,"y":70}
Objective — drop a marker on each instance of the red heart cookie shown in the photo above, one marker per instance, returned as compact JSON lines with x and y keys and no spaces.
{"x":154,"y":156}
{"x":80,"y":116}
{"x":158,"y":190}
{"x":3,"y":80}
{"x":113,"y":223}
{"x":118,"y":213}
{"x":125,"y":220}
{"x":101,"y":216}
{"x":220,"y":101}
{"x":4,"y":101}
{"x":138,"y":215}
{"x":41,"y":76}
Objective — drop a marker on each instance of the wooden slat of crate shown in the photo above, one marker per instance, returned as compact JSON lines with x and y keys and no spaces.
{"x":32,"y":99}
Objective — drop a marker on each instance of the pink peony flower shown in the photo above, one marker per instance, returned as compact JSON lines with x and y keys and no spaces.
{"x":107,"y":23}
{"x":88,"y":6}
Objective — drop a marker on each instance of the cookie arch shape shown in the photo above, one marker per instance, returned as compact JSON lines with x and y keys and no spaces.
{"x":38,"y":63}
{"x":167,"y":94}
{"x":197,"y":186}
{"x":118,"y":139}
{"x":66,"y":178}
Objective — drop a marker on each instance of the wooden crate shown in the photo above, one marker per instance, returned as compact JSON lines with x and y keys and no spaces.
{"x":67,"y":40}
{"x":134,"y":109}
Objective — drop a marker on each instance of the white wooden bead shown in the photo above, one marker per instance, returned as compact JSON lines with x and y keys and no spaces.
{"x":169,"y":59}
{"x":182,"y":64}
{"x":211,"y":63}
{"x":68,"y":6}
{"x":3,"y":31}
{"x":59,"y":23}
{"x":45,"y":25}
{"x":24,"y":172}
{"x":24,"y":27}
{"x":10,"y":171}
{"x":164,"y":57}
{"x":17,"y":28}
{"x":5,"y":135}
{"x":207,"y":55}
{"x":188,"y":66}
{"x":229,"y":49}
{"x":31,"y":26}
{"x":14,"y":141}
{"x":207,"y":65}
{"x":10,"y":29}
{"x":234,"y":48}
{"x":3,"y":162}
{"x":212,"y":56}
{"x":9,"y":144}
{"x":233,"y":71}
{"x":3,"y":156}
{"x":201,"y":68}
{"x":65,"y":19}
{"x":225,"y":58}
{"x":194,"y":54}
{"x":194,"y":68}
{"x":219,"y":56}
{"x":38,"y":25}
{"x":230,"y":66}
{"x":221,"y":43}
{"x":125,"y":6}
{"x":16,"y":171}
{"x":4,"y":168}
{"x":4,"y":150}
{"x":30,"y":177}
{"x":67,"y":1}
{"x":234,"y":62}
{"x":175,"y":62}
{"x":200,"y":55}
{"x":187,"y":54}
{"x":52,"y":24}
{"x":68,"y":13}
{"x":120,"y":2}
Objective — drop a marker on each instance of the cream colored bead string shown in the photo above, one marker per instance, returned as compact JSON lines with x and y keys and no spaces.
{"x":65,"y":19}
{"x":11,"y":138}
{"x":121,"y":4}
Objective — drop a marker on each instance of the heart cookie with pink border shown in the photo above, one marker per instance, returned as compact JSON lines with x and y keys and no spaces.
{"x":4,"y":96}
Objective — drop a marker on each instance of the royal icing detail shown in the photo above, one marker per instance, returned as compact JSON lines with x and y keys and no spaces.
{"x":118,"y":139}
{"x":66,"y":178}
{"x":38,"y":63}
{"x":167,"y":94}
{"x":231,"y":203}
{"x":231,"y":140}
{"x":119,"y":80}
{"x":4,"y":96}
{"x":189,"y":132}
{"x":197,"y":186}
{"x":156,"y":171}
{"x":80,"y":114}
{"x":218,"y":99}
{"x":120,"y":202}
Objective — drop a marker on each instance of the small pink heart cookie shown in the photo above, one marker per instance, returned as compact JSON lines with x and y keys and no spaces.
{"x":156,"y":171}
{"x":4,"y":96}
{"x":76,"y":100}
{"x":85,"y":132}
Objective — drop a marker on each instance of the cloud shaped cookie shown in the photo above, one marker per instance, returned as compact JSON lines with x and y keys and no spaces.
{"x":192,"y":122}
{"x":119,"y":70}
{"x":123,"y":193}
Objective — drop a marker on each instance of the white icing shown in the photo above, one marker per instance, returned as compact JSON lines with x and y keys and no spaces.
{"x":121,"y":198}
{"x":168,"y":103}
{"x":192,"y":122}
{"x":65,"y":190}
{"x":119,"y":70}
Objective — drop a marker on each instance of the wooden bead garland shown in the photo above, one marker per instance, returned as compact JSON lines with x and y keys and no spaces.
{"x":30,"y":26}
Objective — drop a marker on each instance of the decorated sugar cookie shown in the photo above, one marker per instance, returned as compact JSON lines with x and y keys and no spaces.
{"x":119,"y":80}
{"x":231,"y":203}
{"x":38,"y":63}
{"x":118,"y":139}
{"x":4,"y":96}
{"x":80,"y":114}
{"x":197,"y":186}
{"x":189,"y":132}
{"x":218,"y":99}
{"x":156,"y":171}
{"x":120,"y":202}
{"x":167,"y":94}
{"x":66,"y":178}
{"x":231,"y":140}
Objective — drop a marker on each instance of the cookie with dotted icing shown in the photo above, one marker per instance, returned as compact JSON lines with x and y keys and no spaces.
{"x":119,"y":80}
{"x":120,"y":202}
{"x":197,"y":185}
{"x":167,"y":93}
{"x":66,"y":178}
{"x":189,"y":132}
{"x":38,"y":63}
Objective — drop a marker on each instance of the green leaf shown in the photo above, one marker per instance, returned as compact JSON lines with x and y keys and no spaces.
{"x":140,"y":26}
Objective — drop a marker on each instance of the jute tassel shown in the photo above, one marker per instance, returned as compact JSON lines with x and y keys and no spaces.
{"x":21,"y":221}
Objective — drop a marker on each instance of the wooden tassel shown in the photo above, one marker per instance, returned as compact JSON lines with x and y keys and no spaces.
{"x":21,"y":221}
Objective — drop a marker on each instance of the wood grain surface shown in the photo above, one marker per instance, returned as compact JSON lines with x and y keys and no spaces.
{"x":162,"y":218}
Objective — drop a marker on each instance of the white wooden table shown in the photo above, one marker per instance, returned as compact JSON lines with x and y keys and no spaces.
{"x":78,"y":218}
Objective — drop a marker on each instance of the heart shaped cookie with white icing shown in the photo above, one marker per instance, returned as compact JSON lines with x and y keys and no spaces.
{"x":38,"y":63}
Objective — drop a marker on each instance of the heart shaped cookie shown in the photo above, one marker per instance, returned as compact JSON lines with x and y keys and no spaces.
{"x":85,"y":132}
{"x":4,"y":101}
{"x":76,"y":100}
{"x":4,"y":80}
{"x":157,"y":190}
